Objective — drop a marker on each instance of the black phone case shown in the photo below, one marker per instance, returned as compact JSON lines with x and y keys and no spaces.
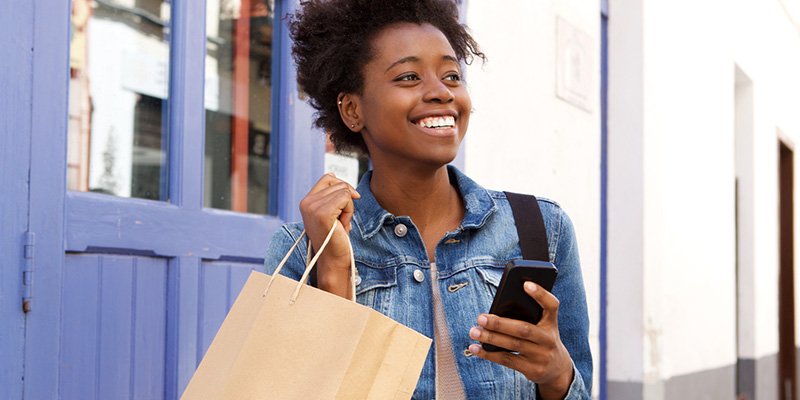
{"x":511,"y":301}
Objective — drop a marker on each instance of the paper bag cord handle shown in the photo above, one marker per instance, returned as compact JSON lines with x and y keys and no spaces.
{"x":280,"y":265}
{"x":313,"y":262}
{"x":353,"y":271}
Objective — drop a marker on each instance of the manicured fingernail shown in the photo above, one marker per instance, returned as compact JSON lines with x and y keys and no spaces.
{"x":482,"y":320}
{"x":475,"y":348}
{"x":529,"y":286}
{"x":475,"y":333}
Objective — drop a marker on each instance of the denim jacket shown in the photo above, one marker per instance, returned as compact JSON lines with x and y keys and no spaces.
{"x":470,"y":262}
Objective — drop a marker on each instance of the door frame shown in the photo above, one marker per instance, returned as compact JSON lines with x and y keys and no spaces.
{"x":603,"y":334}
{"x":50,"y":80}
{"x":787,"y":353}
{"x":16,"y":75}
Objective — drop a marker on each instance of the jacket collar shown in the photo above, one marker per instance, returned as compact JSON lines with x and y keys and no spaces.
{"x":479,"y":204}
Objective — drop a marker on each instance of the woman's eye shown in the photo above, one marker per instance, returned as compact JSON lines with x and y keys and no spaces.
{"x":408,"y":77}
{"x":453,"y":77}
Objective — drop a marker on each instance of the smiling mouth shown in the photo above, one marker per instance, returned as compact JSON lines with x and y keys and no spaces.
{"x":437,"y":122}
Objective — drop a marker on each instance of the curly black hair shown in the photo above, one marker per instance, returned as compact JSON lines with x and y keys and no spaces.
{"x":332,"y":44}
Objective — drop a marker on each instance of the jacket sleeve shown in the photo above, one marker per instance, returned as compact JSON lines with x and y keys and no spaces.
{"x":573,"y":317}
{"x":279,"y":245}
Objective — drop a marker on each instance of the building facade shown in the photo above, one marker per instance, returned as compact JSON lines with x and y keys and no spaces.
{"x":678,"y":174}
{"x":150,"y":148}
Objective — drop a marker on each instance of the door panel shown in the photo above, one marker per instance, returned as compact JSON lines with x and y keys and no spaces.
{"x":98,"y":223}
{"x":220,"y":284}
{"x":113,"y":327}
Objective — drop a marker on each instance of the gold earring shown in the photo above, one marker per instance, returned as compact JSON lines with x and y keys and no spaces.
{"x":352,"y":125}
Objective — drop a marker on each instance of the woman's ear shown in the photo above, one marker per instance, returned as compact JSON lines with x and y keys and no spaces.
{"x":349,"y":110}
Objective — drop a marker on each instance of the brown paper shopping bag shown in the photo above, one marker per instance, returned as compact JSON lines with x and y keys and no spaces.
{"x":283,"y":339}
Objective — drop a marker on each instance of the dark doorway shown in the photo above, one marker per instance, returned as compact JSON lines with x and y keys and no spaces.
{"x":786,"y":353}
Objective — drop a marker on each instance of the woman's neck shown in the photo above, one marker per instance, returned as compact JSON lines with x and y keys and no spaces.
{"x":426,"y":196}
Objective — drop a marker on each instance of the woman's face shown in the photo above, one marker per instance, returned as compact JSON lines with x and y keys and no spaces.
{"x":414,"y":107}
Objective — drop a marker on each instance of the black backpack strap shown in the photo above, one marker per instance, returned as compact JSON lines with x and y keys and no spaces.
{"x":530,"y":226}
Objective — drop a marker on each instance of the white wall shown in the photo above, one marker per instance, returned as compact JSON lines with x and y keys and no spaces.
{"x":672,"y":79}
{"x":524,"y":138}
{"x":673,"y":163}
{"x":689,"y":188}
{"x":626,"y":285}
{"x":767,"y":48}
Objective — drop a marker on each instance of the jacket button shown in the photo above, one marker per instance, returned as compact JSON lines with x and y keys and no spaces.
{"x":419,"y":276}
{"x":400,"y":230}
{"x":358,"y":280}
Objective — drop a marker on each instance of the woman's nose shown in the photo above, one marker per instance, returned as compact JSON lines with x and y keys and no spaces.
{"x":436,"y":91}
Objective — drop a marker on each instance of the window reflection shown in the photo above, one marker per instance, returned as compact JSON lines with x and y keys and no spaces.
{"x":347,"y":166}
{"x":118,"y":97}
{"x":238,"y":101}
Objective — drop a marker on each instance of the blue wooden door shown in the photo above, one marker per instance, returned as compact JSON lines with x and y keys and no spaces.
{"x":15,"y":151}
{"x":128,"y":293}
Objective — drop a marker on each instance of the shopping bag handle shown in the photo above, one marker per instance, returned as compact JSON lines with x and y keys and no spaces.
{"x":313,"y":262}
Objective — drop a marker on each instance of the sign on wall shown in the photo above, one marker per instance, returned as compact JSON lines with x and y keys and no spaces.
{"x":574,"y":65}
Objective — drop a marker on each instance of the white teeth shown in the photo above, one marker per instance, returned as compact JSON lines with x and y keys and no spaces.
{"x":438,"y":122}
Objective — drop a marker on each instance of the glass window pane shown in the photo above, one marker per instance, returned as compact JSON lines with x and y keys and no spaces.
{"x":118,"y":98}
{"x":238,"y":101}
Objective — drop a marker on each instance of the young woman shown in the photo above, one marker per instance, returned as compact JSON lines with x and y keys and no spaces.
{"x":430,"y":244}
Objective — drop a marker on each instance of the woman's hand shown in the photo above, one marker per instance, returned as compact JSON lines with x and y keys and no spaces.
{"x":541,"y":356}
{"x":330,"y":199}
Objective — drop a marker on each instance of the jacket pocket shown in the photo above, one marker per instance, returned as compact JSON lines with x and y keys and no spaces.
{"x":490,"y":276}
{"x":374,"y":286}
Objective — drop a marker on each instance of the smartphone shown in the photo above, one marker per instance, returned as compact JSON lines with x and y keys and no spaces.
{"x":511,"y":301}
